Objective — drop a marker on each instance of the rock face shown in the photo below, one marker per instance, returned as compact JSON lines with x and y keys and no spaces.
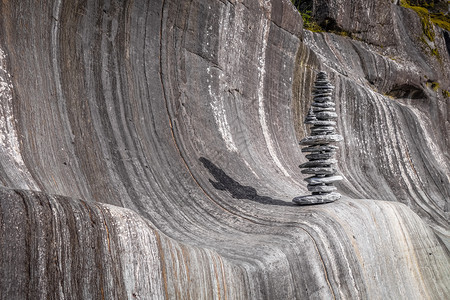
{"x":322,"y":135}
{"x":395,"y":106}
{"x":149,"y":149}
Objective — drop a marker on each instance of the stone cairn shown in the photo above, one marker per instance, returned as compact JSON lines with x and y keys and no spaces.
{"x":321,"y":116}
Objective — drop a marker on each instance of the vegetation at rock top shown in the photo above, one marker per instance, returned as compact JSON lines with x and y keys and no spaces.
{"x":305,"y":9}
{"x":441,"y":20}
{"x":429,"y":15}
{"x":430,"y":12}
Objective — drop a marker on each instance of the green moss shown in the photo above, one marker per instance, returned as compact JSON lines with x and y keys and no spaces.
{"x":428,"y":18}
{"x":446,"y":94}
{"x":441,"y":20}
{"x":435,"y":52}
{"x":304,"y":7}
{"x":309,"y":23}
{"x":422,"y":3}
{"x":435,"y":85}
{"x":427,"y":25}
{"x":428,"y":21}
{"x":343,"y":33}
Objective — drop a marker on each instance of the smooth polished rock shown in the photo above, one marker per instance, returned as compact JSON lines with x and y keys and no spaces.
{"x":322,"y":90}
{"x":321,"y":81}
{"x":310,"y":117}
{"x":323,"y":123}
{"x":320,"y":139}
{"x":319,"y":171}
{"x":321,"y":188}
{"x":318,"y":163}
{"x":316,"y":109}
{"x":317,"y":199}
{"x":322,"y":96}
{"x":322,"y":130}
{"x":326,"y":115}
{"x":320,"y":148}
{"x":322,"y":87}
{"x":324,"y":104}
{"x":323,"y":180}
{"x":111,"y":103}
{"x":319,"y":156}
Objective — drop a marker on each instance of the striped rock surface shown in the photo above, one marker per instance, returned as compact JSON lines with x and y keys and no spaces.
{"x":149,"y":150}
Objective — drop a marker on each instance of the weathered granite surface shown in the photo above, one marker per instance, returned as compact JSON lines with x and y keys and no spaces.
{"x":148,"y":149}
{"x":396,"y":102}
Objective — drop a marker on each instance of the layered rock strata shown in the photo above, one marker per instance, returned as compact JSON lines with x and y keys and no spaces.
{"x":147,"y":151}
{"x":321,"y":163}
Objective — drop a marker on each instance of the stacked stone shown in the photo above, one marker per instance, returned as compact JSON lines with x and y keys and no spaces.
{"x":322,"y":117}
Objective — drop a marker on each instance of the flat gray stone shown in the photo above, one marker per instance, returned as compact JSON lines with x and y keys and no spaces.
{"x":329,"y":86}
{"x":316,"y":109}
{"x":322,"y":97}
{"x":319,"y":171}
{"x":322,"y":90}
{"x":321,"y":188}
{"x":320,"y":139}
{"x":322,"y":75}
{"x":310,"y":116}
{"x":318,"y":163}
{"x":323,"y":130}
{"x":326,"y":115}
{"x":323,"y":123}
{"x":323,"y":85}
{"x":314,"y":133}
{"x":319,"y":156}
{"x":316,"y":199}
{"x":320,"y":148}
{"x":323,"y":180}
{"x":324,"y":104}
